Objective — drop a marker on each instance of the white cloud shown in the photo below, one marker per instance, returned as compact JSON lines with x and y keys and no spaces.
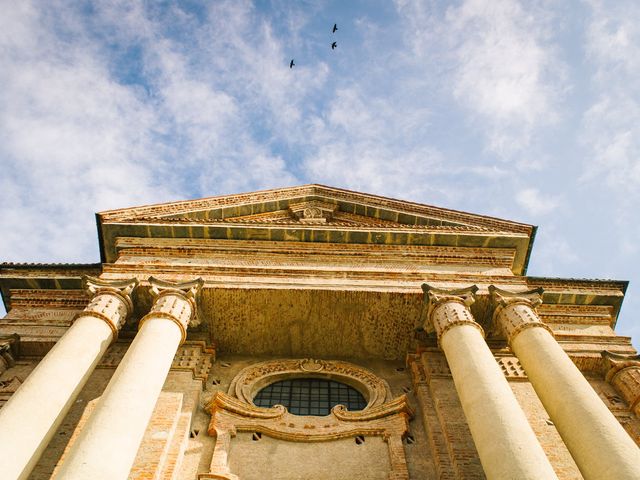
{"x":535,"y":203}
{"x":73,"y":140}
{"x":497,"y":59}
{"x":611,"y":125}
{"x":78,"y":138}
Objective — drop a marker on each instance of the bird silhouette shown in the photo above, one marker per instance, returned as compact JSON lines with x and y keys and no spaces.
{"x":291,"y":64}
{"x":334,"y":45}
{"x":335,"y":27}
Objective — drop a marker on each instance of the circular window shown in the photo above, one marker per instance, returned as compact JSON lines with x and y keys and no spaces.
{"x":310,"y":396}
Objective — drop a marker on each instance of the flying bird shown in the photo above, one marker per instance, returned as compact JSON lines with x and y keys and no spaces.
{"x":291,"y":64}
{"x":334,"y":45}
{"x":335,"y":27}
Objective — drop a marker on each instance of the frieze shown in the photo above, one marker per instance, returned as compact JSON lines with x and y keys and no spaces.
{"x":41,"y":316}
{"x":40,"y":298}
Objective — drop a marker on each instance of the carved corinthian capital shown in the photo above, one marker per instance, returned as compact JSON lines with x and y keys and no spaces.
{"x":516,"y":311}
{"x":623,"y":373}
{"x":175,"y":302}
{"x":110,"y":301}
{"x":447,"y":308}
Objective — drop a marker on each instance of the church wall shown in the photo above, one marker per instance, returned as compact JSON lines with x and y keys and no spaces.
{"x":272,"y":459}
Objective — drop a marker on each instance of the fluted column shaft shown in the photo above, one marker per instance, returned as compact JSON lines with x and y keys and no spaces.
{"x":506,"y":444}
{"x":33,"y":413}
{"x":108,"y":443}
{"x":600,"y":446}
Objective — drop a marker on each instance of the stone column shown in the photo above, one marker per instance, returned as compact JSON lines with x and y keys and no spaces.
{"x":107,"y":445}
{"x":506,"y":444}
{"x":623,"y":372}
{"x":32,"y":415}
{"x":600,"y":446}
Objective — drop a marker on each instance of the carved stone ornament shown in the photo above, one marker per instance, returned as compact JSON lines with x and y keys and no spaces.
{"x":623,"y":373}
{"x":252,"y":379}
{"x":516,"y":311}
{"x":9,"y":349}
{"x":175,"y":302}
{"x":234,"y":412}
{"x":313,"y":212}
{"x":444,"y":309}
{"x":110,"y":301}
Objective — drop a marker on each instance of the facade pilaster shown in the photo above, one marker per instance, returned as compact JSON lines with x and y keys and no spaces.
{"x":506,"y":444}
{"x":623,"y":373}
{"x":107,"y":445}
{"x":33,"y":413}
{"x":600,"y":446}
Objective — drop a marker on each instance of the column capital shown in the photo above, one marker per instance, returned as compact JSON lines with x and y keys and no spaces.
{"x":516,"y":311}
{"x":623,"y":373}
{"x":110,"y":301}
{"x":616,"y":362}
{"x":175,"y":301}
{"x":441,"y":319}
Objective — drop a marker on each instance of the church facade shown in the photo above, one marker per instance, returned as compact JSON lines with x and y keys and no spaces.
{"x":312,"y":333}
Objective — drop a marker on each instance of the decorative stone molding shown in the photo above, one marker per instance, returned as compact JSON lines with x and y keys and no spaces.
{"x":623,"y":373}
{"x":250,"y":380}
{"x":511,"y":368}
{"x":230,"y":415}
{"x":9,"y":348}
{"x":235,"y":411}
{"x":313,"y":212}
{"x":448,"y":308}
{"x":516,"y":311}
{"x":110,"y":301}
{"x":175,"y":302}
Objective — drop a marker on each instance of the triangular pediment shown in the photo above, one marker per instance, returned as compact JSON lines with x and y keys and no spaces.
{"x":299,"y":205}
{"x":315,"y":213}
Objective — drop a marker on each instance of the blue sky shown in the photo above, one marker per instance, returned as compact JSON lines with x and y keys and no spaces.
{"x":528,"y":111}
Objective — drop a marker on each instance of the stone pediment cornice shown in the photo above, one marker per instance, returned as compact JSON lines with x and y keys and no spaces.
{"x":342,"y":200}
{"x":314,"y":192}
{"x":315,"y":213}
